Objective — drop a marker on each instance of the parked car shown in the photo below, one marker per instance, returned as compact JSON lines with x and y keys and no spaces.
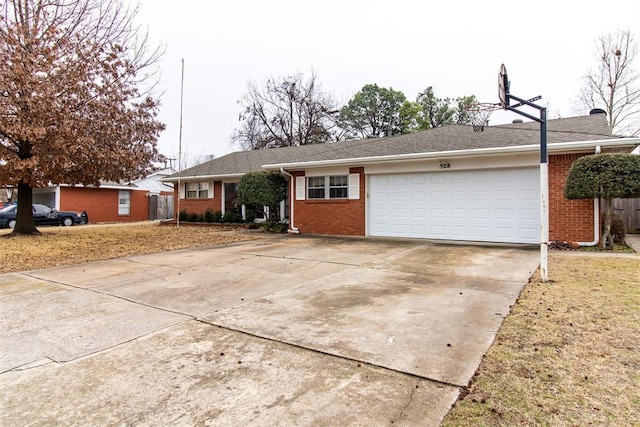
{"x":43,"y":215}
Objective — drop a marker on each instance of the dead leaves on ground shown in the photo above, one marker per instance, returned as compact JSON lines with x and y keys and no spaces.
{"x":58,"y":246}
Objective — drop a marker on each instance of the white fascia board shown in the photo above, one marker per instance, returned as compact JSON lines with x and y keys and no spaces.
{"x":203,"y":177}
{"x":555,"y":148}
{"x":107,"y":186}
{"x":567,"y":147}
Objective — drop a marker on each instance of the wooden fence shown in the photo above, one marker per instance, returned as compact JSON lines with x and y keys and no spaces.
{"x":629,"y":211}
{"x":160,"y":207}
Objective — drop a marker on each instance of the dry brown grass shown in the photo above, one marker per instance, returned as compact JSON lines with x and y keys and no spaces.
{"x":72,"y":245}
{"x":568,"y":354}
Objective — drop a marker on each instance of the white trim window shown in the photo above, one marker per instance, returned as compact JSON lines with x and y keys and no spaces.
{"x":328,"y":187}
{"x":196,"y":190}
{"x":124,"y":202}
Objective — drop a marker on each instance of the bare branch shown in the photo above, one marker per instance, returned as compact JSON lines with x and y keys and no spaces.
{"x":283,"y":112}
{"x":614,"y":84}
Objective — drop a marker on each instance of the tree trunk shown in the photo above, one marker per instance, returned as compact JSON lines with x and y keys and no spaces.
{"x":607,"y":239}
{"x":24,"y":212}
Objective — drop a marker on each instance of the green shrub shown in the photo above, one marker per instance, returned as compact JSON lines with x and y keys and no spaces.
{"x":231,"y":217}
{"x":208,"y":215}
{"x":250,"y":216}
{"x":262,"y":188}
{"x":606,"y":176}
{"x":217,"y":216}
{"x":274,"y":226}
{"x":183,"y":216}
{"x":193,"y":217}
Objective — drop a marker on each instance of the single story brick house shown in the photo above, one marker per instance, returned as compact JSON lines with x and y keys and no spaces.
{"x":112,"y":201}
{"x":450,"y":183}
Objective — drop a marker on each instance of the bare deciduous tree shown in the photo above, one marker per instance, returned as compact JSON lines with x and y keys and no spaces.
{"x":614,"y":84}
{"x":72,"y":108}
{"x":284,"y":112}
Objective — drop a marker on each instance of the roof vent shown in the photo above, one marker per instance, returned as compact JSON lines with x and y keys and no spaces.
{"x":516,"y":121}
{"x":597,"y":111}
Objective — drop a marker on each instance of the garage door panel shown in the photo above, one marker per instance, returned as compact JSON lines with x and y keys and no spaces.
{"x":497,"y":205}
{"x":458,"y":195}
{"x":458,"y":213}
{"x":530,"y":214}
{"x":506,"y":233}
{"x":399,"y":179}
{"x":504,"y":214}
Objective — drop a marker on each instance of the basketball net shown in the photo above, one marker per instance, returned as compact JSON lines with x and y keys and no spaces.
{"x":479,"y":114}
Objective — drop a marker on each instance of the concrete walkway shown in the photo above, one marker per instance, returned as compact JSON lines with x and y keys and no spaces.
{"x":281,"y":331}
{"x":633,"y":241}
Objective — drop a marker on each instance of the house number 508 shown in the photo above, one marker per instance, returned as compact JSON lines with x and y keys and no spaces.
{"x":445,"y":164}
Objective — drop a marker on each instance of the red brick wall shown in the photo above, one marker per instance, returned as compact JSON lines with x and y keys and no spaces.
{"x":570,"y":220}
{"x":101,"y":204}
{"x":199,"y":206}
{"x":336,"y":217}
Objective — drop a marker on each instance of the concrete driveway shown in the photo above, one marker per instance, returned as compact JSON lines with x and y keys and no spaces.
{"x":286,"y":330}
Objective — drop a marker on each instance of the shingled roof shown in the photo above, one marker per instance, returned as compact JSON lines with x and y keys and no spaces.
{"x":448,"y":138}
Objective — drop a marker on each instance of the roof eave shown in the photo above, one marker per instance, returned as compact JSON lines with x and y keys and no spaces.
{"x":104,"y":186}
{"x":555,"y":148}
{"x":202,"y":177}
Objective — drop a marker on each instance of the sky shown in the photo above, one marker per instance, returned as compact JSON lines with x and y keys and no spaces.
{"x":455,"y":46}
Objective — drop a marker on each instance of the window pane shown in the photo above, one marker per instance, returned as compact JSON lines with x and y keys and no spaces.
{"x":315,"y":187}
{"x":316,"y":193}
{"x":338,"y":181}
{"x":338,"y":193}
{"x":338,"y":187}
{"x":197,"y":190}
{"x":124,"y":202}
{"x":316,"y":182}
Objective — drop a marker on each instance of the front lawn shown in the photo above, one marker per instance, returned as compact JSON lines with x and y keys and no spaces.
{"x":73,"y":245}
{"x":569,"y":352}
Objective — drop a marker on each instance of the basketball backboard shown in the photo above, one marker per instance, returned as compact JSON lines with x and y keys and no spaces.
{"x":503,"y":87}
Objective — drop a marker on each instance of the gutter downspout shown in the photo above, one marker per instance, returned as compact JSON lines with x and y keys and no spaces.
{"x":596,"y":218}
{"x":292,"y":229}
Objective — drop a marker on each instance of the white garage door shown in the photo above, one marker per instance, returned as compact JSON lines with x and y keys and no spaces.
{"x":486,"y":206}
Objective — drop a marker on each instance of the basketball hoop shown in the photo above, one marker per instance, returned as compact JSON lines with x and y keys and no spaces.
{"x":479,"y":114}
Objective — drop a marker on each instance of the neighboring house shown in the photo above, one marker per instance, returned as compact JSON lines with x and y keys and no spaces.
{"x":160,"y":194}
{"x":445,"y":183}
{"x":111,"y":201}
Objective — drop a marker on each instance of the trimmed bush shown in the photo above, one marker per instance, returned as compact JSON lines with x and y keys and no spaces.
{"x":231,"y":218}
{"x":250,"y":216}
{"x":262,"y":188}
{"x":274,"y":226}
{"x":604,"y":176}
{"x":208,"y":215}
{"x":183,"y":216}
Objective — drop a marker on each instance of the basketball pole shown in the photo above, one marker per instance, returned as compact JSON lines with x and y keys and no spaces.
{"x":180,"y":145}
{"x":505,"y":100}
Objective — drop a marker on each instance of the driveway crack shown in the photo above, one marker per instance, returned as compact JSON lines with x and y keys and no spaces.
{"x":403,"y":411}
